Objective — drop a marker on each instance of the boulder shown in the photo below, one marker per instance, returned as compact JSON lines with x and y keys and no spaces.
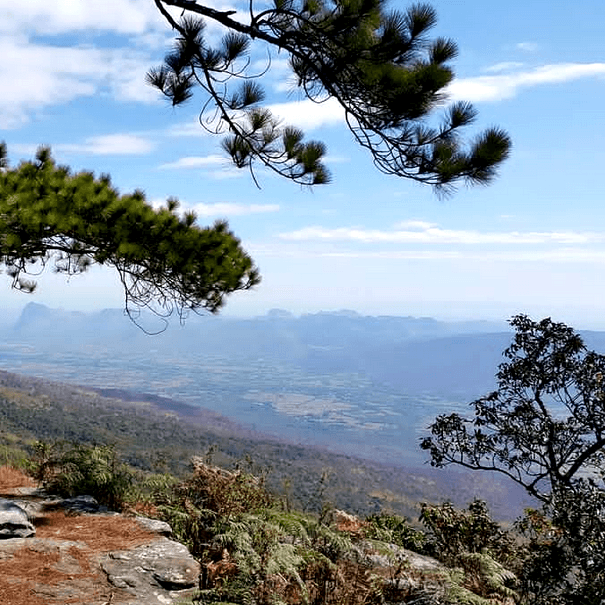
{"x":161,"y":528}
{"x":82,"y":505}
{"x":14,"y":521}
{"x":152,"y":572}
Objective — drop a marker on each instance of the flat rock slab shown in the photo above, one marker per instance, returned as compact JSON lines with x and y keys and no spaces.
{"x":45,"y":571}
{"x":63,"y":564}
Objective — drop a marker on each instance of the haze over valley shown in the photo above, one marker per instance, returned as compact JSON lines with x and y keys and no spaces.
{"x":357,"y":384}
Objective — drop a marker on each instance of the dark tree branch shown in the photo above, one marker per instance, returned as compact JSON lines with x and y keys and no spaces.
{"x":521,"y":435}
{"x":380,"y":67}
{"x":166,"y":263}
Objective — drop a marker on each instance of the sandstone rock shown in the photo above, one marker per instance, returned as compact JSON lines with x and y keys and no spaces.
{"x":155,"y":573}
{"x":14,"y":522}
{"x":155,"y":525}
{"x":395,"y":553}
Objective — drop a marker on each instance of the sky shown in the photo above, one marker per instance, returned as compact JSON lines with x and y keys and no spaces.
{"x":73,"y":77}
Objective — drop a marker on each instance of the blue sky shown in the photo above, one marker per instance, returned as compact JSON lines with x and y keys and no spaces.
{"x":533,"y":241}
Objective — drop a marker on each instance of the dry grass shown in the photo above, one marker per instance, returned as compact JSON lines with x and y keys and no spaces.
{"x":100,"y":533}
{"x":12,"y":477}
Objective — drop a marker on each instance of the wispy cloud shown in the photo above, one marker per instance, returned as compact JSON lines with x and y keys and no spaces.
{"x":506,"y":86}
{"x":195,"y":162}
{"x":557,"y":256}
{"x":214,"y":166}
{"x":527,"y":46}
{"x":560,"y":254}
{"x":219,"y":209}
{"x":192,"y":128}
{"x":419,"y":232}
{"x":233,"y":209}
{"x":60,"y":16}
{"x":303,"y":114}
{"x":415,"y":225}
{"x":111,"y":144}
{"x":309,"y":115}
{"x":504,"y":66}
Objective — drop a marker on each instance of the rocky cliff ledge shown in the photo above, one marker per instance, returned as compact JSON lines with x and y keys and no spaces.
{"x":55,"y":551}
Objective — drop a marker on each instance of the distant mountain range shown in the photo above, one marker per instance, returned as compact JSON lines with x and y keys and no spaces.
{"x":417,"y":355}
{"x":360,"y":385}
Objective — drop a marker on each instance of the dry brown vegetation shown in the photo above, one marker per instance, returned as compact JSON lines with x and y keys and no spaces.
{"x":11,"y":477}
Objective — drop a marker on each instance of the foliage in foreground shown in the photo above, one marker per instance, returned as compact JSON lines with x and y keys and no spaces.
{"x":451,"y":531}
{"x":544,"y":428}
{"x":165,"y":262}
{"x":256,"y":550}
{"x":69,"y":470}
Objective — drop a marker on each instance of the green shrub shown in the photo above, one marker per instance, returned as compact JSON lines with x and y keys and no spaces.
{"x":452,"y":532}
{"x":224,"y":492}
{"x":147,"y":488}
{"x":71,"y":469}
{"x":395,"y":530}
{"x":564,"y":562}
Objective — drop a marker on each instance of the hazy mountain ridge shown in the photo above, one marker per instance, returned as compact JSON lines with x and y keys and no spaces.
{"x":357,"y":385}
{"x":411,"y":354}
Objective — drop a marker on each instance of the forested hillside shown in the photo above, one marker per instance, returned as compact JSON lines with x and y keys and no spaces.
{"x":156,"y":434}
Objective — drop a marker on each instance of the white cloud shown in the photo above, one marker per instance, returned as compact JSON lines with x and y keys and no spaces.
{"x":505,"y":86}
{"x":193,"y":162}
{"x":60,"y":16}
{"x":215,"y":166}
{"x":527,"y":46}
{"x":219,"y":209}
{"x":41,"y":76}
{"x":303,"y":114}
{"x":192,"y":128}
{"x":558,"y":255}
{"x":504,"y":66}
{"x":309,"y":115}
{"x":111,"y":144}
{"x":418,"y":232}
{"x":233,"y":209}
{"x":414,"y":225}
{"x":288,"y":84}
{"x":25,"y":150}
